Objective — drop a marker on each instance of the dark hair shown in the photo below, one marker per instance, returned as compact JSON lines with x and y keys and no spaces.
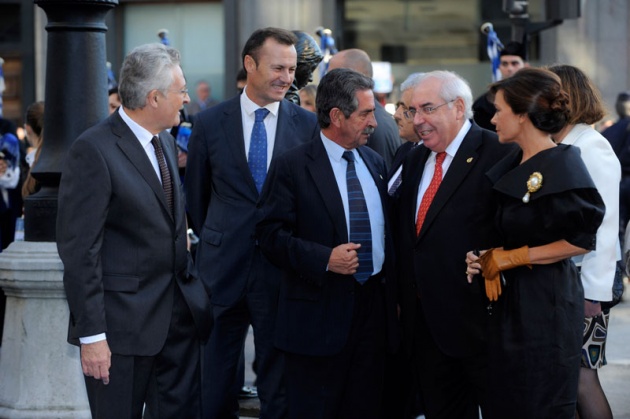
{"x":514,"y":48}
{"x":620,"y":106}
{"x":585,"y":103}
{"x":258,"y":38}
{"x":538,"y":93}
{"x":35,"y":117}
{"x":337,"y":89}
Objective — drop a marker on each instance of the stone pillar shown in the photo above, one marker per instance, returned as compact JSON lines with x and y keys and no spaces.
{"x":76,"y":97}
{"x":41,"y":373}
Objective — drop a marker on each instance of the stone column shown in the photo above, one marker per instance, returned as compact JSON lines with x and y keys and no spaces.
{"x":40,"y":373}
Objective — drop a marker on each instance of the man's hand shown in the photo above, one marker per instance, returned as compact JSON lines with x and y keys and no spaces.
{"x":96,"y":360}
{"x":344,"y":259}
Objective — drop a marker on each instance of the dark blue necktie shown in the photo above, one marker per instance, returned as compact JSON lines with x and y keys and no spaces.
{"x":257,"y":156}
{"x":360,"y":231}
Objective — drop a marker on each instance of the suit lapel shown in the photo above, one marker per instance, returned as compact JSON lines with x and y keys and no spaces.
{"x":464,"y":160}
{"x":232,"y":126}
{"x":285,"y":129}
{"x":131,"y":147}
{"x":326,"y":184}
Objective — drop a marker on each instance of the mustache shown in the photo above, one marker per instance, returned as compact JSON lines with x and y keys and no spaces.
{"x":369,"y":130}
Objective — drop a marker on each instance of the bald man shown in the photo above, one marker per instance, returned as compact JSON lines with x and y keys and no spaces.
{"x":385,"y":140}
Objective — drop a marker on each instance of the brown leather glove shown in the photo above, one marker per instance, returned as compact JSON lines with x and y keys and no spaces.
{"x":496,"y":260}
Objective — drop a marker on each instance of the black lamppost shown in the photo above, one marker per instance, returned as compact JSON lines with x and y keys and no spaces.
{"x":76,"y":98}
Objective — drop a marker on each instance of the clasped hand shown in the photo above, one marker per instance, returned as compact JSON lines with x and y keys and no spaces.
{"x":344,"y":259}
{"x":491,"y":263}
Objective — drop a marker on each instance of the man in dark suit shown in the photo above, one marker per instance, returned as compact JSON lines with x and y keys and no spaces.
{"x":135,"y":310}
{"x":337,"y":295}
{"x":445,"y":206}
{"x":385,"y":140}
{"x":404,"y":119}
{"x":231,"y":148}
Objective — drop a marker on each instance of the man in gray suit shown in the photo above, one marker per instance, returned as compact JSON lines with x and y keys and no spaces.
{"x":136,"y":312}
{"x":231,"y":148}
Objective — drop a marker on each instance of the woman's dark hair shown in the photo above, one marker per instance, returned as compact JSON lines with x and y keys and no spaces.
{"x":35,"y":117}
{"x":538,"y":93}
{"x":586,"y":103}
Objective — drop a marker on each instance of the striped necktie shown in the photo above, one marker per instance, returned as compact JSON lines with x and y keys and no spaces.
{"x":360,"y":230}
{"x":167,"y":182}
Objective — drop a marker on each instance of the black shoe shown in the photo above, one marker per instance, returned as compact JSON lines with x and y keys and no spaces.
{"x":247,"y":392}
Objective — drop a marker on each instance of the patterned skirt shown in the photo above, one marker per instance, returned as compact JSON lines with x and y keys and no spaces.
{"x":594,"y":341}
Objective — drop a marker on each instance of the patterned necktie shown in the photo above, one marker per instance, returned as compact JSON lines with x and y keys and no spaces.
{"x":395,"y":184}
{"x":429,"y":194}
{"x":167,"y":182}
{"x":360,"y":230}
{"x":257,"y":156}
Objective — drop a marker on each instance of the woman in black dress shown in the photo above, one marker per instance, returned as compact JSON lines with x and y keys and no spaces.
{"x":549,"y":211}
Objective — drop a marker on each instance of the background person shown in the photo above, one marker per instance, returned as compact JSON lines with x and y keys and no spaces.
{"x":599,"y":267}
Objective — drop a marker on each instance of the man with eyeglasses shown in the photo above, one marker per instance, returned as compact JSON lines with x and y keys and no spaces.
{"x":513,"y":57}
{"x":404,"y":119}
{"x":445,"y":204}
{"x":137,"y":313}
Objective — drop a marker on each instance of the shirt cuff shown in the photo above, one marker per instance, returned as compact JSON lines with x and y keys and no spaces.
{"x":92,"y":339}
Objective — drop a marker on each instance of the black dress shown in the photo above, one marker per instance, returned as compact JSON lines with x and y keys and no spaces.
{"x":536,"y":325}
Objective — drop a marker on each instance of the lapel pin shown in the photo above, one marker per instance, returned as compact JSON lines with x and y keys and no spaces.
{"x":469,"y":159}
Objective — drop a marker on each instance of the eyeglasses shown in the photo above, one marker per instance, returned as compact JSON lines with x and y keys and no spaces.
{"x":425,"y":110}
{"x":183,"y":91}
{"x":407,"y":112}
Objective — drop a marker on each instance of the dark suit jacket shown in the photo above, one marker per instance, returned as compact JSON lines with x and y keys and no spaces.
{"x":385,"y":139}
{"x":460,"y":219}
{"x":122,"y":251}
{"x":222,"y":197}
{"x":303,"y":221}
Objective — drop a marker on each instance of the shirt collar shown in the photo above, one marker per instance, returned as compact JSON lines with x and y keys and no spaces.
{"x":249,"y":107}
{"x":141,"y":133}
{"x":452,"y":148}
{"x":334,"y":150}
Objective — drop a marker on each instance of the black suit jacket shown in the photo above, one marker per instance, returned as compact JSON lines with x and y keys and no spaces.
{"x":303,"y":221}
{"x":432,"y":265}
{"x":222,"y":197}
{"x":122,"y":250}
{"x":385,"y":139}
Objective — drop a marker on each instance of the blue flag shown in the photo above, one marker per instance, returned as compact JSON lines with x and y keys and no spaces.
{"x":494,"y":46}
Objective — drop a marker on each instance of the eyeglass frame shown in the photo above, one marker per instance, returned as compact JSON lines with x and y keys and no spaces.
{"x":410,"y":113}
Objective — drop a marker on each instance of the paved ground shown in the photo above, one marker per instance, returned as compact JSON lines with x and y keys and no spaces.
{"x":615,"y":376}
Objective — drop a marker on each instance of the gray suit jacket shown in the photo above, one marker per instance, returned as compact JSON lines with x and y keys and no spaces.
{"x":122,"y":250}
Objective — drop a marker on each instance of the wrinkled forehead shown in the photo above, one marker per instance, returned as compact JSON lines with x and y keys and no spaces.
{"x":427,"y":92}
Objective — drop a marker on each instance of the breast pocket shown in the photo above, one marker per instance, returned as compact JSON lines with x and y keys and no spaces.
{"x":212,"y":237}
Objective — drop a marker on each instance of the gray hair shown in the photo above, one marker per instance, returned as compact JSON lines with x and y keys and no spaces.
{"x":412,"y":81}
{"x":147,"y":67}
{"x":453,"y":87}
{"x":337,"y":89}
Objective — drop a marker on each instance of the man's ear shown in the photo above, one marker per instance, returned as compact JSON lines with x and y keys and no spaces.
{"x":249,"y":64}
{"x":335,"y":116}
{"x":152,"y":98}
